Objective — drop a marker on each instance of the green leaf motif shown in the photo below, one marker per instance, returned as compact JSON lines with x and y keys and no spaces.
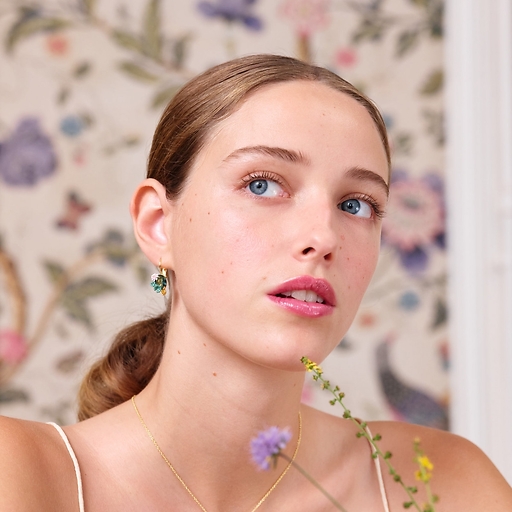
{"x":70,"y":362}
{"x":88,"y":6}
{"x":89,"y":287}
{"x":433,"y":84}
{"x":74,"y":299}
{"x":180,"y":49}
{"x":163,"y":96}
{"x":435,"y":125}
{"x":142,"y":273}
{"x":128,"y":41}
{"x":151,"y":30}
{"x":138,"y":72}
{"x":370,"y":30}
{"x":30,"y":25}
{"x":403,"y":143}
{"x":406,"y":42}
{"x":54,"y":270}
{"x":13,"y":395}
{"x":77,"y":310}
{"x":82,"y":70}
{"x":440,"y":314}
{"x":436,"y":20}
{"x":63,"y":95}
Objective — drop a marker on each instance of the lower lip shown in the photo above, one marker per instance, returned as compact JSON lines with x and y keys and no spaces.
{"x":301,"y":308}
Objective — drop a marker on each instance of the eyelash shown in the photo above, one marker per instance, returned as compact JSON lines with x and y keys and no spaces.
{"x":377,"y":210}
{"x":267,"y":175}
{"x":262,"y":175}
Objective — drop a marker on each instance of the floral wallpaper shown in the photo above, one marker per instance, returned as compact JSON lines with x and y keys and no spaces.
{"x":82,"y":84}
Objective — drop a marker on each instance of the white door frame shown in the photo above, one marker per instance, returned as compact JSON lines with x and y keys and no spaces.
{"x":478,"y":67}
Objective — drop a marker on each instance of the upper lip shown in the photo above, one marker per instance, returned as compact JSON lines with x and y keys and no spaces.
{"x":320,"y":286}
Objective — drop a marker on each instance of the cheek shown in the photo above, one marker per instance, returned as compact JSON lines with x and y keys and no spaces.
{"x":219,"y":244}
{"x":360,"y":260}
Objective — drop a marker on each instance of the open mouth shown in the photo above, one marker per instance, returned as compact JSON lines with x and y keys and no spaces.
{"x":303,"y":295}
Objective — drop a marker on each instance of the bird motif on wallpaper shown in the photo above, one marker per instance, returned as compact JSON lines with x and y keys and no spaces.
{"x":408,"y":403}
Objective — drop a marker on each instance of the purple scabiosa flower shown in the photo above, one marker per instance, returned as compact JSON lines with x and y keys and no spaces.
{"x":267,"y":445}
{"x":231,"y":11}
{"x":27,"y":155}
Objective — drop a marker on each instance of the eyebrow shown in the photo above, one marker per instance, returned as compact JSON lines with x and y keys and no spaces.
{"x":288,"y":155}
{"x":362,"y":174}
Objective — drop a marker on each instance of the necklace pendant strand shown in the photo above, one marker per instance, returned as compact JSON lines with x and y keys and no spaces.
{"x":265,"y":496}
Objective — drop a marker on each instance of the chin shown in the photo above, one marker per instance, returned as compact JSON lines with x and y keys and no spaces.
{"x":287,"y":356}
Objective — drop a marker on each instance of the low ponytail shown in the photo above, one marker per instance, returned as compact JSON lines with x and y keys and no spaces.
{"x":127,"y":368}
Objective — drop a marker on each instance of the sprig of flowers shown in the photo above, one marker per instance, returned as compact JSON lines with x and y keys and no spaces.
{"x":423,"y":474}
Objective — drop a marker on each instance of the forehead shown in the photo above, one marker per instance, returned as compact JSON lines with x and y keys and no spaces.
{"x":308,"y":117}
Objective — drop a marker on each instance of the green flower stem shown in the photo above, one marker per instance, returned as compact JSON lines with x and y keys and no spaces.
{"x":338,"y":397}
{"x":303,"y":472}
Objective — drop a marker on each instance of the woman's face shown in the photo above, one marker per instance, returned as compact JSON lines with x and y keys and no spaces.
{"x":276,"y":235}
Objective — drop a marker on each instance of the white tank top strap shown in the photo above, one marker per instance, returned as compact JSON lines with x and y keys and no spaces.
{"x":75,"y":464}
{"x":379,"y":474}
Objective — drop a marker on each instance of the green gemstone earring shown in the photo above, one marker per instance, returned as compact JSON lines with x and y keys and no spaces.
{"x":159,"y":281}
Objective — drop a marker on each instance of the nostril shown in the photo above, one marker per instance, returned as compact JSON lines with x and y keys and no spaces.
{"x":328,"y":256}
{"x":307,"y":250}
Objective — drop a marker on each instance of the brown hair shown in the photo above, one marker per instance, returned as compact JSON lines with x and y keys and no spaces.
{"x":181,"y":133}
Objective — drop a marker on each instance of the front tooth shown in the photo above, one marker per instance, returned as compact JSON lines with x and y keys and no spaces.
{"x":311,"y":296}
{"x":287,"y":294}
{"x":299,"y":294}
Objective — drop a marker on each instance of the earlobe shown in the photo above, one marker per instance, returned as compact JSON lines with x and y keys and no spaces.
{"x":149,"y":209}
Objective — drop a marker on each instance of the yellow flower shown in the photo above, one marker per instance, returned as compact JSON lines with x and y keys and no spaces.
{"x":311,"y":366}
{"x":423,"y":476}
{"x":424,"y":462}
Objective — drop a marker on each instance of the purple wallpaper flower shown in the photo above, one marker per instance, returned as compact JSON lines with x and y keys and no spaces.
{"x":232,"y":11}
{"x":416,"y":219}
{"x":27,"y":155}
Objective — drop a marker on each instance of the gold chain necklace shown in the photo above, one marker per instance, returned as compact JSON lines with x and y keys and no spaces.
{"x":265,"y":496}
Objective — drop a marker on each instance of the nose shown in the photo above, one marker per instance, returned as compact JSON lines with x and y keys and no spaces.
{"x":317,"y":236}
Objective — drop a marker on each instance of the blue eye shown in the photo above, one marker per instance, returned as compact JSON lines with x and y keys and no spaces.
{"x":258,"y":187}
{"x":356,"y":207}
{"x":265,"y":188}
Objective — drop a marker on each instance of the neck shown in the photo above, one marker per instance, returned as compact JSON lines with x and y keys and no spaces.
{"x":207,"y":400}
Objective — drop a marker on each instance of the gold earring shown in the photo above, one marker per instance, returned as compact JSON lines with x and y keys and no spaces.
{"x":159,"y":281}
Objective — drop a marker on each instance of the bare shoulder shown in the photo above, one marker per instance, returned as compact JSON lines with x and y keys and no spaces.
{"x":463,"y":476}
{"x":35,"y":473}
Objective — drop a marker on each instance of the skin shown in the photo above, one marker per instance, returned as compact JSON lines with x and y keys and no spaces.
{"x":231,"y":365}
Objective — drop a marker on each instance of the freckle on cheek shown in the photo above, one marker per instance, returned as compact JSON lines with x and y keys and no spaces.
{"x":214,"y":374}
{"x":179,"y":352}
{"x":190,"y":220}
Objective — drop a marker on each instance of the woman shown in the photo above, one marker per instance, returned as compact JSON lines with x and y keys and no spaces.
{"x":267,"y":182}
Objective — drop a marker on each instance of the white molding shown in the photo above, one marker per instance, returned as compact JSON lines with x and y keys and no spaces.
{"x":479,"y":199}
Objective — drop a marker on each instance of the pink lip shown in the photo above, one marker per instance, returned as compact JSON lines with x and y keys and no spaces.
{"x":310,"y":309}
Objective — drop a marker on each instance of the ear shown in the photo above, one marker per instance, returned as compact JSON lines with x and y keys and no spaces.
{"x":150,"y":209}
